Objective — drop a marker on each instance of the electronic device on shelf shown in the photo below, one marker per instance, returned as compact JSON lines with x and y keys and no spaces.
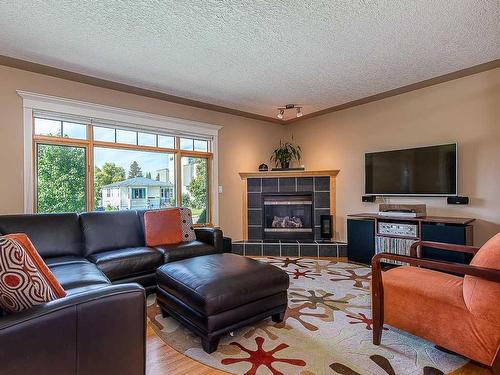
{"x":398,"y":229}
{"x":400,"y":214}
{"x":402,"y":210}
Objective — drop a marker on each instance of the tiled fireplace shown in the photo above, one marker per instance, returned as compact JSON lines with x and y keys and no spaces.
{"x":287,"y":216}
{"x":282,"y":214}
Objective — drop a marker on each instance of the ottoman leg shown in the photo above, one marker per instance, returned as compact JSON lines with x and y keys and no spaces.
{"x":164,"y":313}
{"x":278,"y":318}
{"x":210,"y":345}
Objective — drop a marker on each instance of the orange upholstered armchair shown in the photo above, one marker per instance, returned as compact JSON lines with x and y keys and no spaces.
{"x":461,"y":314}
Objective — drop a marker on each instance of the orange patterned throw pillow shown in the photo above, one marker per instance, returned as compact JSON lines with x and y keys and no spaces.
{"x":25,"y":279}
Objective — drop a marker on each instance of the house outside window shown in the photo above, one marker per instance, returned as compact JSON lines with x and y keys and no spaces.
{"x":138,"y":193}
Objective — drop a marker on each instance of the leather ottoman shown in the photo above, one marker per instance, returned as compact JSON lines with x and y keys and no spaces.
{"x":216,"y":294}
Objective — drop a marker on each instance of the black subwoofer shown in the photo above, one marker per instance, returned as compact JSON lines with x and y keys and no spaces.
{"x":326,"y":222}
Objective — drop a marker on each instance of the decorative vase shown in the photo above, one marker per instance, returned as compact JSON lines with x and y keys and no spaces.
{"x":285,"y":164}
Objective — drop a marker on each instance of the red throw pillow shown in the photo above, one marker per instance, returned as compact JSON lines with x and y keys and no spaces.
{"x":162,"y":227}
{"x":25,"y":279}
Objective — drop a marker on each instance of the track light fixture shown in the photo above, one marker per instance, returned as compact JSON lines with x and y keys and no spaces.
{"x":281,"y":111}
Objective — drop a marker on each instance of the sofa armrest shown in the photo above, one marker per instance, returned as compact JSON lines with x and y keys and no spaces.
{"x":100,"y":331}
{"x":212,"y":236}
{"x":416,"y":247}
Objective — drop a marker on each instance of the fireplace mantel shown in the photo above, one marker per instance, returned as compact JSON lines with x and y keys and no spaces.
{"x":270,"y":174}
{"x":321,"y":183}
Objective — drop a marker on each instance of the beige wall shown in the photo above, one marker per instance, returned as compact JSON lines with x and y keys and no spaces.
{"x":244,"y":143}
{"x":466,"y":110}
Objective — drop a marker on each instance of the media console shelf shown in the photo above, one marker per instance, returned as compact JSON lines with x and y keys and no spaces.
{"x":362,"y":231}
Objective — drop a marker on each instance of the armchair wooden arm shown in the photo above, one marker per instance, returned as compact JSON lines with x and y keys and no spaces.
{"x":463,"y":269}
{"x":414,"y":249}
{"x":378,"y":289}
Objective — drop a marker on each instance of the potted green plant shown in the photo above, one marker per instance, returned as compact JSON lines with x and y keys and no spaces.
{"x":285,"y":153}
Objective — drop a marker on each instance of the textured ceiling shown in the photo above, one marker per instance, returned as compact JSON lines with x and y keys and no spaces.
{"x":255,"y":55}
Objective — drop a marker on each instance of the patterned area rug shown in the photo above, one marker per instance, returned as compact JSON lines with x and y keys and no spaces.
{"x":327,"y":330}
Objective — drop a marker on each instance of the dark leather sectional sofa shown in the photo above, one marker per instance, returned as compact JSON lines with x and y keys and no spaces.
{"x":99,"y":258}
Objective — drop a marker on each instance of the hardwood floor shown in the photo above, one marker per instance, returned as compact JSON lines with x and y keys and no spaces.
{"x":161,"y":359}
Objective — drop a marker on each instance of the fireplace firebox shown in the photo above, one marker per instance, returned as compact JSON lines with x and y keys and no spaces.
{"x":288,"y":216}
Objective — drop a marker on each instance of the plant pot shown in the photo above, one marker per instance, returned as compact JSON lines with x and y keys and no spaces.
{"x":285,"y":164}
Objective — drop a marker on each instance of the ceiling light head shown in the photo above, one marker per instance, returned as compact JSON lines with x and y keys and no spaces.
{"x":299,"y":112}
{"x":281,"y":113}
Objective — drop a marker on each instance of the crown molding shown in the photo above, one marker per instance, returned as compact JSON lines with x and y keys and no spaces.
{"x":112,"y":85}
{"x":403,"y":89}
{"x":89,"y":80}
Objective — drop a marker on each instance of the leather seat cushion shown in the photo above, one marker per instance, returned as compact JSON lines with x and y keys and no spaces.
{"x":76,"y":274}
{"x":124,"y":263}
{"x":214,"y":283}
{"x":185,"y":250}
{"x":57,"y":261}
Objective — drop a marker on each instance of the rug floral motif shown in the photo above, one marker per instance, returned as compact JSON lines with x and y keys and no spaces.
{"x":327,"y":330}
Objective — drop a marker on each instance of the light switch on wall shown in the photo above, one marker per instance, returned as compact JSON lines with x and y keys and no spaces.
{"x":220,"y":188}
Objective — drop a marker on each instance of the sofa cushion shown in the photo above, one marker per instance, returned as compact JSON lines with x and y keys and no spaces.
{"x":123,"y":263}
{"x":26,"y":281}
{"x":103,"y":231}
{"x":77,"y":274}
{"x":51,"y":234}
{"x":184,"y":250}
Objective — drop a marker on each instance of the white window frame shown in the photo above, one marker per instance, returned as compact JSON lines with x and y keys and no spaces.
{"x":140,"y":120}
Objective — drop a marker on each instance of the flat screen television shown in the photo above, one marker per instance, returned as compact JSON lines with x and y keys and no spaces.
{"x":429,"y":171}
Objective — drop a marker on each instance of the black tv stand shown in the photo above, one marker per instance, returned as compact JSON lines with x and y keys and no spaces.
{"x":362,"y":230}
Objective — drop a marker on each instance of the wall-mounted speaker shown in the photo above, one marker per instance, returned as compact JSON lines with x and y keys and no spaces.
{"x":458,"y":200}
{"x":368,"y":198}
{"x":326,"y":223}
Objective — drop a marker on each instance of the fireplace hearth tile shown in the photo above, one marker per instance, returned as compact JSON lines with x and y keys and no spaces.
{"x":304,"y":184}
{"x":254,"y":200}
{"x":254,"y":185}
{"x":318,"y":212}
{"x":327,"y":250}
{"x":269,"y":185}
{"x":342,"y":250}
{"x":253,"y":249}
{"x":238,"y":248}
{"x":287,"y":185}
{"x":271,"y":250}
{"x":308,"y":250}
{"x":255,"y":233}
{"x":254,"y":217}
{"x":289,"y":249}
{"x":317,"y":233}
{"x":321,"y":200}
{"x":321,"y":183}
